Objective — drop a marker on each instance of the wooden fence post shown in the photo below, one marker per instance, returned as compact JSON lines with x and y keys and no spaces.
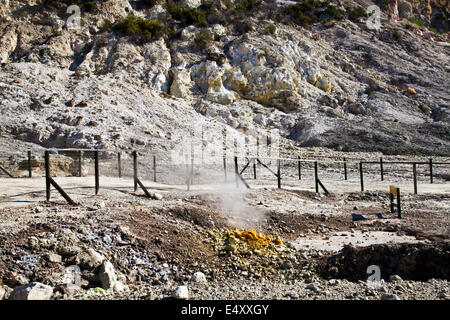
{"x":361,"y":174}
{"x":316,"y":176}
{"x":135,"y":169}
{"x":80,"y":161}
{"x":119,"y":164}
{"x":225,"y":167}
{"x":431,"y":170}
{"x":97,"y":174}
{"x":415,"y":178}
{"x":236,"y":170}
{"x":299,"y":169}
{"x":154,"y":168}
{"x":279,"y":173}
{"x":345,"y":168}
{"x":30,"y":168}
{"x":47,"y":174}
{"x":188,"y":178}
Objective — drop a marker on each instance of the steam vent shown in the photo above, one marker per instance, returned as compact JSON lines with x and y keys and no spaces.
{"x":224,"y":158}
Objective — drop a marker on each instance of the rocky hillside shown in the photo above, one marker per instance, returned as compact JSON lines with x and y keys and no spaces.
{"x":136,"y":72}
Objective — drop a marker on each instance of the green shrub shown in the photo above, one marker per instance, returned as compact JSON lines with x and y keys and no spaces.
{"x":383,"y":4}
{"x":335,"y":12}
{"x":243,"y":27}
{"x":203,"y":39}
{"x":356,"y":13}
{"x":152,"y":2}
{"x":247,"y":5}
{"x":90,"y":6}
{"x":434,"y":30}
{"x":106,"y":26}
{"x":141,"y":29}
{"x":307,"y":12}
{"x":270,"y":29}
{"x":416,"y":22}
{"x":187,"y":16}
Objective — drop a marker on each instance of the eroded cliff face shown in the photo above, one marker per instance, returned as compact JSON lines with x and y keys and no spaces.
{"x":333,"y":83}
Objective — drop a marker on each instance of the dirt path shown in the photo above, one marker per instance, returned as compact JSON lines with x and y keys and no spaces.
{"x":24,"y":191}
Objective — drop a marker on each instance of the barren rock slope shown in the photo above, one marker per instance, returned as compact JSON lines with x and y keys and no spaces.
{"x":324,"y":80}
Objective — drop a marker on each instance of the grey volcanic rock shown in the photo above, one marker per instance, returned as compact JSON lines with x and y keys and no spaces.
{"x":93,"y":88}
{"x":32,"y":291}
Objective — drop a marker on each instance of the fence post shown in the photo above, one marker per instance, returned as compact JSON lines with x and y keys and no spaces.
{"x":361,"y":174}
{"x":188,"y":179}
{"x":415,"y":178}
{"x":431,"y":170}
{"x":97,"y":182}
{"x":225,"y":167}
{"x":299,"y":169}
{"x":135,"y":169}
{"x":154,"y":168}
{"x":119,"y":165}
{"x":381,"y":169}
{"x":316,"y":176}
{"x":279,"y":173}
{"x":254,"y":169}
{"x":236,"y":170}
{"x":80,"y":157}
{"x":47,"y":173}
{"x":30,"y":170}
{"x":192,"y":169}
{"x":345,"y":168}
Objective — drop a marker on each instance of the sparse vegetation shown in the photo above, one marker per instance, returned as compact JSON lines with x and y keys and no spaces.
{"x":203,"y":39}
{"x":417,"y":22}
{"x":187,"y":16}
{"x":152,"y":2}
{"x":90,"y":6}
{"x":311,"y":11}
{"x":248,"y":5}
{"x":141,"y":29}
{"x":435,"y":31}
{"x":356,"y":13}
{"x":270,"y":29}
{"x":106,"y":25}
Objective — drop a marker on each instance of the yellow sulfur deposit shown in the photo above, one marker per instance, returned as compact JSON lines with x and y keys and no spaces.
{"x":252,"y":238}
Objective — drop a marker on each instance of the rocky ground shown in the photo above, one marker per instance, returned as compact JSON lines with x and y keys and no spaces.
{"x":119,"y":245}
{"x":151,"y":75}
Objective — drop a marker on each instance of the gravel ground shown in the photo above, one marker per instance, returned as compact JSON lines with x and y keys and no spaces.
{"x":155,"y":245}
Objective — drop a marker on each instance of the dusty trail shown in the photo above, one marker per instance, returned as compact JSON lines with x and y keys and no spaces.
{"x":24,"y":191}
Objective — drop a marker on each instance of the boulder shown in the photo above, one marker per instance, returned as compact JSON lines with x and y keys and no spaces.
{"x":181,"y":82}
{"x":2,"y":292}
{"x":53,"y":257}
{"x":107,"y":275}
{"x":189,"y":33}
{"x":192,"y":3}
{"x":395,"y":278}
{"x":32,"y":291}
{"x":69,"y":251}
{"x":90,"y":259}
{"x":199,"y":277}
{"x":181,"y":293}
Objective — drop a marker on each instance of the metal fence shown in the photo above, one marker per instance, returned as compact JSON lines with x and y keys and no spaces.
{"x":189,"y":169}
